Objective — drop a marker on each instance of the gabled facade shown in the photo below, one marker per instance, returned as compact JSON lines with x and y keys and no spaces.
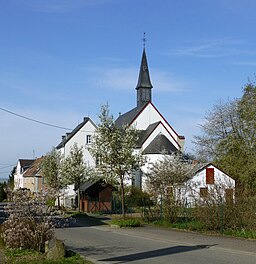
{"x":33,"y":179}
{"x":28,"y":175}
{"x":96,"y":197}
{"x":21,"y":167}
{"x":156,"y":135}
{"x":208,"y":182}
{"x":82,"y":136}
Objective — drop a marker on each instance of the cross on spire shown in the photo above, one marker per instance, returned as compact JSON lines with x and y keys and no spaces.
{"x":144,"y":40}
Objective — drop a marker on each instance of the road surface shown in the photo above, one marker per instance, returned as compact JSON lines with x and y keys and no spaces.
{"x":105,"y":244}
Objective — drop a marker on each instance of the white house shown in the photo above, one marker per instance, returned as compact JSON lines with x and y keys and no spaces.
{"x":82,"y":136}
{"x":156,"y":135}
{"x":209,"y":181}
{"x":28,"y":175}
{"x":21,"y":167}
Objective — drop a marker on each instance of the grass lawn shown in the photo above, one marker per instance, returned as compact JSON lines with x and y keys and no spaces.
{"x":193,"y":225}
{"x":34,"y":257}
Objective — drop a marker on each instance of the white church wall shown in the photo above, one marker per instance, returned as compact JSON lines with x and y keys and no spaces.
{"x":150,"y":159}
{"x":149,"y":116}
{"x":157,"y":131}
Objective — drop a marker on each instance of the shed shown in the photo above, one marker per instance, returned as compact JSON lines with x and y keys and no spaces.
{"x":96,"y":197}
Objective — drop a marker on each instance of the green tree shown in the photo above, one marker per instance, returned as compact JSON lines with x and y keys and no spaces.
{"x":51,"y":171}
{"x":74,"y":170}
{"x":113,"y":148}
{"x":3,"y":194}
{"x":228,"y":137}
{"x":10,"y":184}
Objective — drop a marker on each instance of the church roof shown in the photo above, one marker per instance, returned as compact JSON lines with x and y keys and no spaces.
{"x":144,"y":78}
{"x":160,"y":144}
{"x":128,"y":117}
{"x":144,"y":134}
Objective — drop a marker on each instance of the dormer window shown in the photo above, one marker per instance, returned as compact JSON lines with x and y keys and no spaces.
{"x":88,"y":139}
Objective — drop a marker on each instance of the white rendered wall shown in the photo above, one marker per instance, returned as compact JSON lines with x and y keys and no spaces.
{"x":157,"y":131}
{"x":18,"y":177}
{"x":149,"y":116}
{"x":191,"y":191}
{"x":80,"y":139}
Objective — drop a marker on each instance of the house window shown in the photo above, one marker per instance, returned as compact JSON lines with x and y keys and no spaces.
{"x":203,"y":192}
{"x":209,"y":175}
{"x":88,"y":139}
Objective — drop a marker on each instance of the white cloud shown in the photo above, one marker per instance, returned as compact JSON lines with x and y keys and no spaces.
{"x":125,"y":78}
{"x":213,"y":49}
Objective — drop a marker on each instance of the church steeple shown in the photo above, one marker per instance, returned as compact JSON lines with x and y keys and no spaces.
{"x":144,"y":85}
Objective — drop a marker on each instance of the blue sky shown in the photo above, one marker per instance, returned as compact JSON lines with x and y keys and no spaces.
{"x":61,"y":59}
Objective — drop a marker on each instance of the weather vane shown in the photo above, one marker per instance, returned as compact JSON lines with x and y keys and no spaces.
{"x":144,"y":40}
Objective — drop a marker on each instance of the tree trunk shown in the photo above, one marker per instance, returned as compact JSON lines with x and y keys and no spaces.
{"x":122,"y":196}
{"x":78,"y":199}
{"x":58,"y":202}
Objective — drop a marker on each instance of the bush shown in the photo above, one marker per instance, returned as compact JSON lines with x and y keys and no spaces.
{"x":29,"y":224}
{"x":220,"y":216}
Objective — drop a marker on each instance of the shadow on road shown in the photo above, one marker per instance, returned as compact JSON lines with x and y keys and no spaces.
{"x":87,"y":221}
{"x":99,"y":251}
{"x":157,"y":253}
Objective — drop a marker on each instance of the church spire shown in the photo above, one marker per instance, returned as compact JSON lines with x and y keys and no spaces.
{"x":144,"y":78}
{"x":144,"y":85}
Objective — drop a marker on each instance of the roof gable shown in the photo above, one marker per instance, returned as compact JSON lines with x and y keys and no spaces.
{"x":74,"y":131}
{"x":25,"y":163}
{"x":160,"y":144}
{"x":153,"y":131}
{"x":34,"y":168}
{"x":208,"y":165}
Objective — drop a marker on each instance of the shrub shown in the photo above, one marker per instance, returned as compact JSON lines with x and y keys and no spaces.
{"x":29,"y":224}
{"x":220,"y":216}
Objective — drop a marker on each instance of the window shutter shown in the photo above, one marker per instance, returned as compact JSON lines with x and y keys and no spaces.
{"x":209,"y":175}
{"x":203,"y":192}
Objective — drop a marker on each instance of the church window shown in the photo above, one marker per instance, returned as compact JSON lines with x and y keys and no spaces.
{"x":209,"y":175}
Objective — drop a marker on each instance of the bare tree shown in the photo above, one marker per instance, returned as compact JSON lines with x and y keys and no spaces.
{"x":228,"y":137}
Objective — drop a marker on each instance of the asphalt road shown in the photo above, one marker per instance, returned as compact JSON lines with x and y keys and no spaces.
{"x":104,"y":244}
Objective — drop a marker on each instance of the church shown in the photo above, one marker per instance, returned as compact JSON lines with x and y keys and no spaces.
{"x":156,"y":135}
